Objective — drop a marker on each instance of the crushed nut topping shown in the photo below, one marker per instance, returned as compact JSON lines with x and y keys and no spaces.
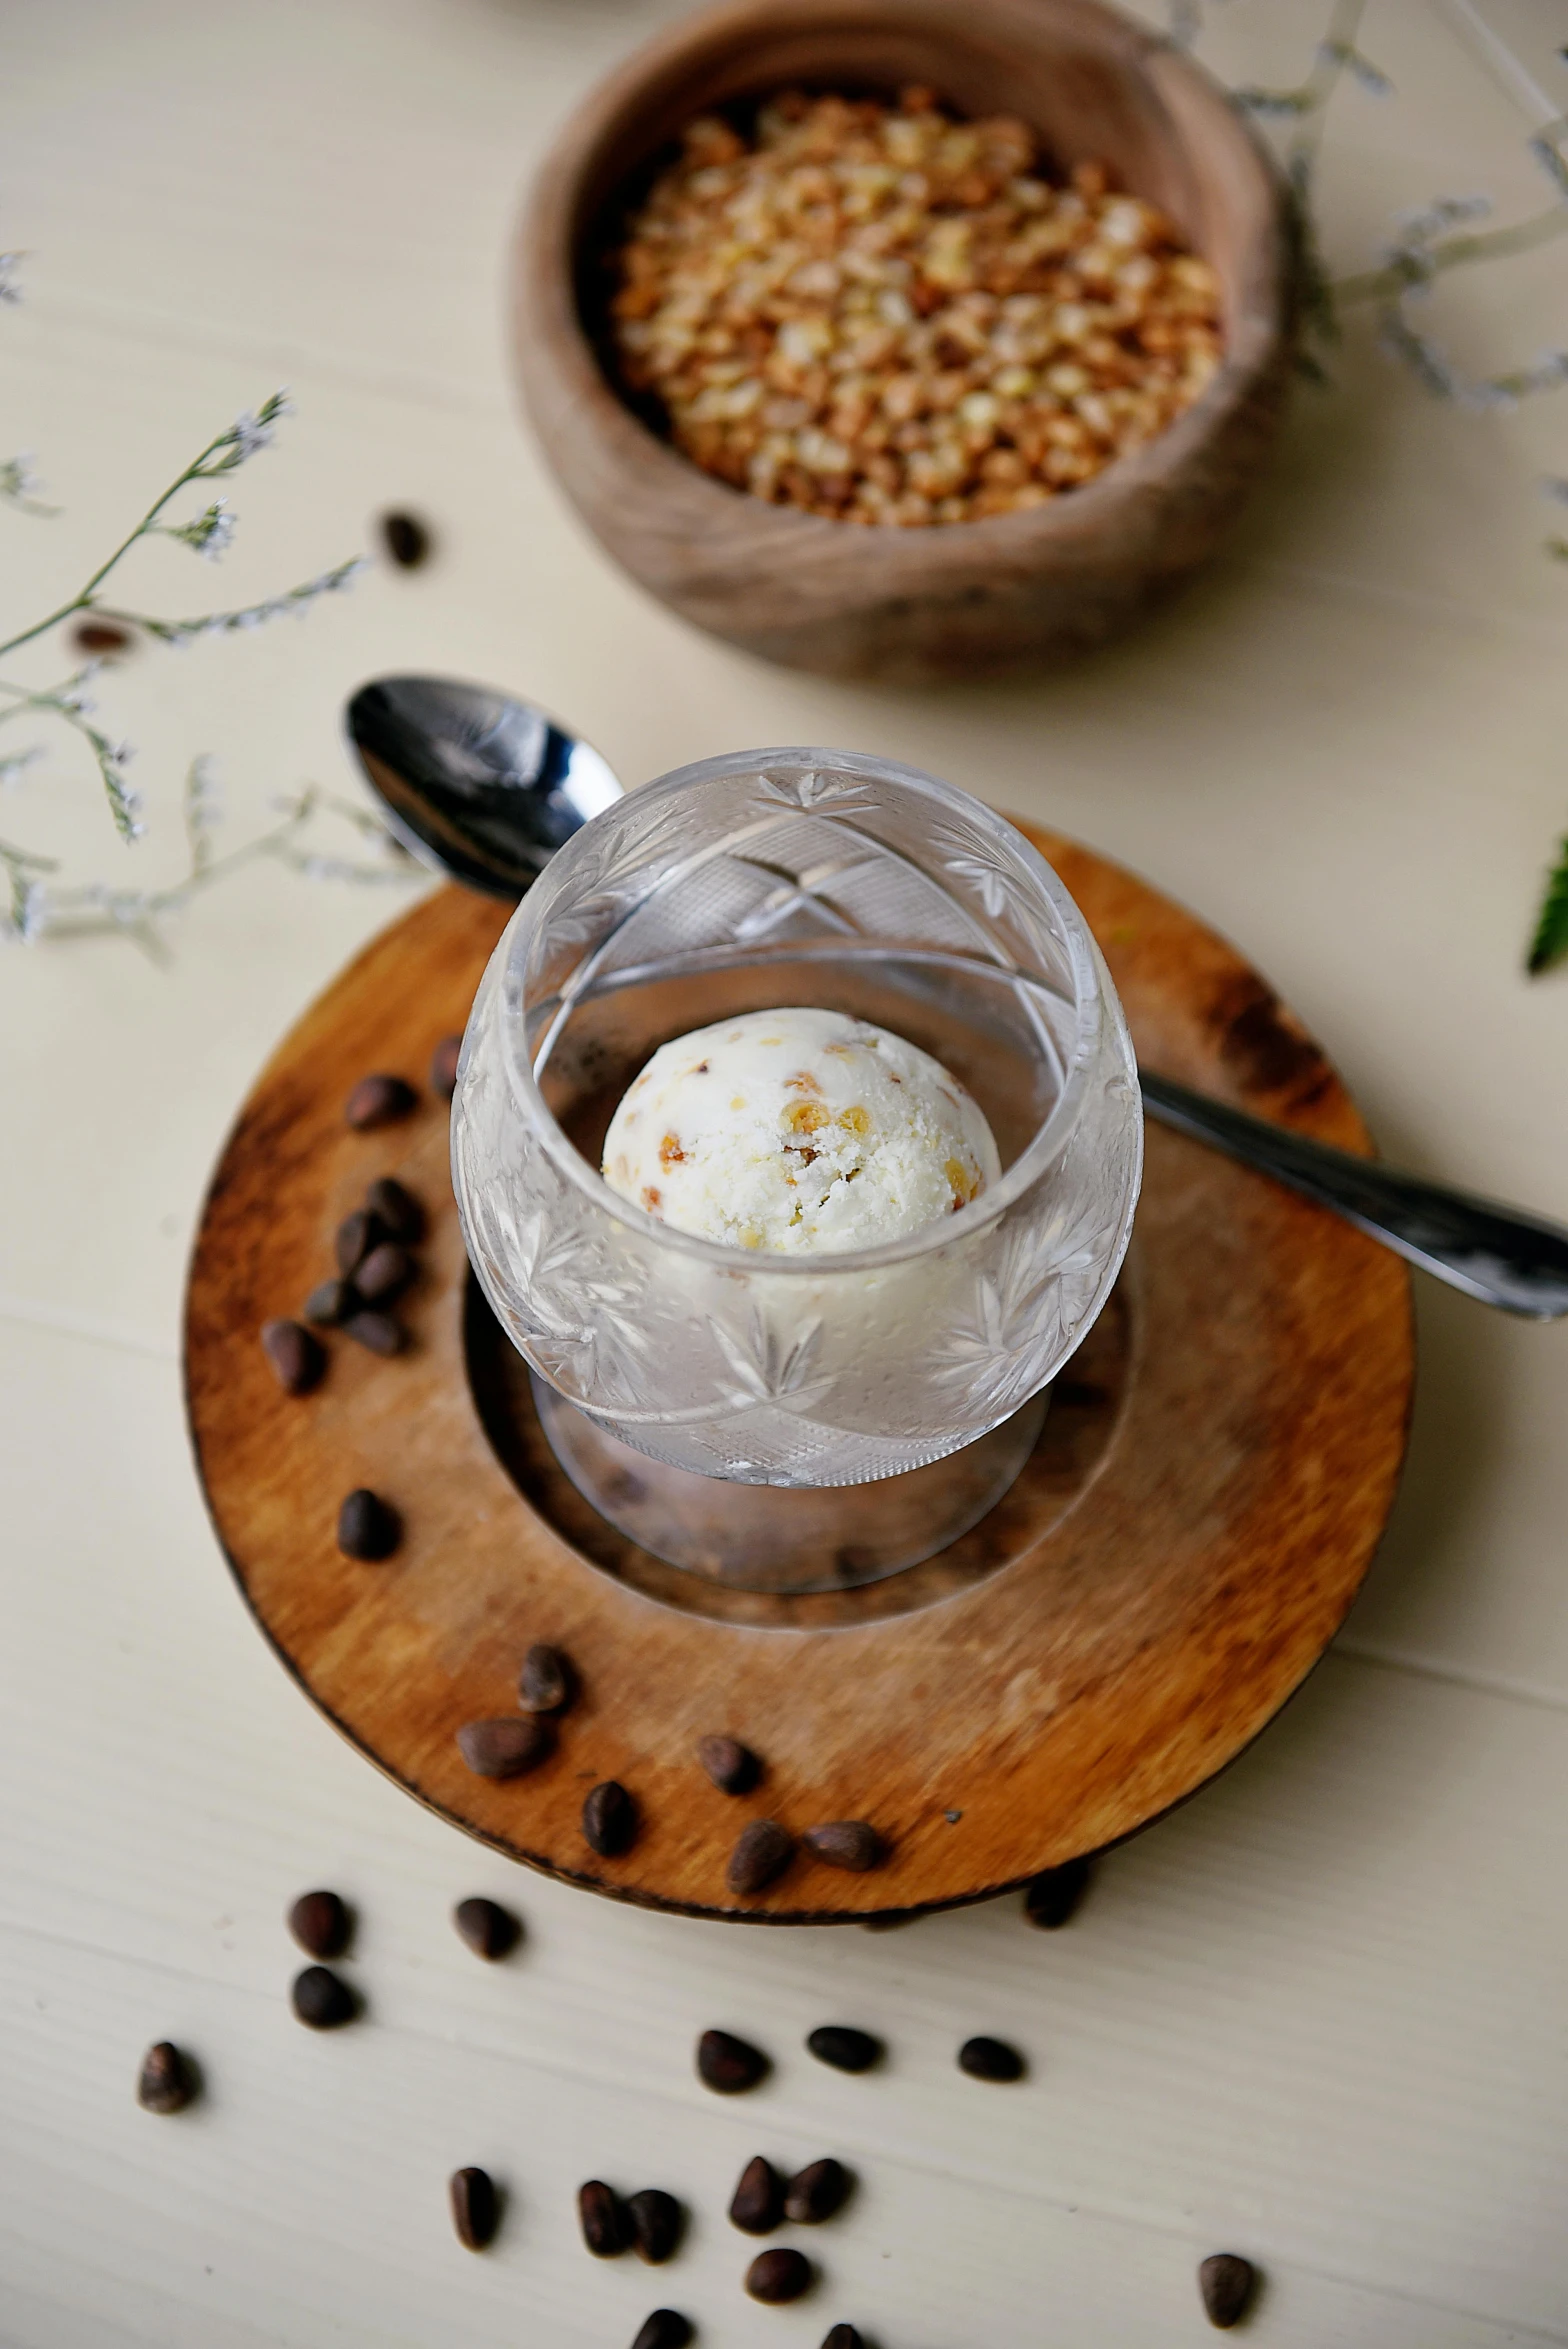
{"x":884,"y":315}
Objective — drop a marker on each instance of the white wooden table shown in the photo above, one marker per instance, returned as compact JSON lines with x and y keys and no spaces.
{"x":1321,"y":2016}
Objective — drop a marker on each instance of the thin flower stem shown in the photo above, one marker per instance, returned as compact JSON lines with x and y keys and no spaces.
{"x":1397,"y":277}
{"x":294,"y":599}
{"x":1334,"y":54}
{"x":80,"y":602}
{"x":202,"y":468}
{"x":111,"y":758}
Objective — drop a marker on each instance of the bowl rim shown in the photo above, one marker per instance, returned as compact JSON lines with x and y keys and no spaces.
{"x":553,"y":347}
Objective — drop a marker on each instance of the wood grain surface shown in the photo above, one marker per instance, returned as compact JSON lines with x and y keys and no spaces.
{"x":964,"y":597}
{"x":1092,"y":1656}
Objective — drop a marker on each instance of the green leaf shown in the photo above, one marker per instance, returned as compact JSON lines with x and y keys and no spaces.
{"x":1551,"y":930}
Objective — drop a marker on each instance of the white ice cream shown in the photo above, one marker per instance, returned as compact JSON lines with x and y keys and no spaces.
{"x":798,"y":1130}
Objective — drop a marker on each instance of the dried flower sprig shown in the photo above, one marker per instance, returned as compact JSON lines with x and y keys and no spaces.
{"x":39,"y":908}
{"x":1440,"y":237}
{"x":208,"y":532}
{"x":1428,"y":244}
{"x":273,"y":607}
{"x":19,"y":484}
{"x":35,"y":904}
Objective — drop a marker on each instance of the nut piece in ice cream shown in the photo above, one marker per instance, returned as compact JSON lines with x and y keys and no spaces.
{"x":800,"y":1131}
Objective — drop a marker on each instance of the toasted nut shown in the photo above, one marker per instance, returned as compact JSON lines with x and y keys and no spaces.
{"x":476,"y":2208}
{"x":729,"y":2065}
{"x":504,"y":1748}
{"x":321,"y":1923}
{"x":1055,"y":1894}
{"x":816,"y":2192}
{"x":733,"y":1767}
{"x":168,"y":2079}
{"x":443,"y":1066}
{"x":609,"y":1820}
{"x":757,"y":2204}
{"x":603,"y":2217}
{"x":490,"y":1931}
{"x":990,"y":2059}
{"x":778,"y":2276}
{"x":379,"y":1101}
{"x":862,"y":272}
{"x":847,"y":1843}
{"x":397,"y":1211}
{"x":763,"y":1852}
{"x":1226,"y":2282}
{"x":298,"y":1358}
{"x":547,"y":1682}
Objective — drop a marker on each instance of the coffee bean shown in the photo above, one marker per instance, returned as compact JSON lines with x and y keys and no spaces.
{"x":320,"y":1922}
{"x":101,"y":640}
{"x":656,"y":2220}
{"x":353,"y":1240}
{"x":384,"y":1274}
{"x":406,"y":540}
{"x":443,"y":1066}
{"x":398,"y":1212}
{"x":504,"y":1748}
{"x":607,"y":2230}
{"x":322,"y":2000}
{"x":547,"y":1682}
{"x":665,"y":2329}
{"x":846,"y":1843}
{"x":378,"y":1101}
{"x":757,"y":2204}
{"x":609,"y":1820}
{"x":816,"y":2192}
{"x":168,"y":2079}
{"x":1055,"y":1893}
{"x":847,"y":2050}
{"x":729,"y":2065}
{"x":733,"y":1767}
{"x":298,"y":1358}
{"x":330,"y":1302}
{"x":1226,"y":2281}
{"x":368,"y":1527}
{"x":990,"y":2059}
{"x":377,"y":1332}
{"x":490,"y":1931}
{"x":778,"y":2276}
{"x":762,"y":1853}
{"x":476,"y":2207}
{"x":843,"y":2337}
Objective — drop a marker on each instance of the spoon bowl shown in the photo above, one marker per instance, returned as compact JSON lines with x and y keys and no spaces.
{"x":480,"y":786}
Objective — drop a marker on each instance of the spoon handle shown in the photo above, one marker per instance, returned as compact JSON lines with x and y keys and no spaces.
{"x":1516,"y":1261}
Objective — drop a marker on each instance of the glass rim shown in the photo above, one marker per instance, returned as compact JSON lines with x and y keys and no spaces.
{"x":1045,"y":1145}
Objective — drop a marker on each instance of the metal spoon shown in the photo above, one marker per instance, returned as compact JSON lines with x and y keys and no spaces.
{"x":485,"y":789}
{"x":479,"y":786}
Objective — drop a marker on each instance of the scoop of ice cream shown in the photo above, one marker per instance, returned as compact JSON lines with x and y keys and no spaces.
{"x":798,"y":1130}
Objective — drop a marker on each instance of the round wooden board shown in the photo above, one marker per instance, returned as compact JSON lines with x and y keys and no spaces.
{"x":1213,"y":1480}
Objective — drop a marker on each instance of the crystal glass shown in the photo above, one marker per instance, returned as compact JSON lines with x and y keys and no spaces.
{"x":797,"y":876}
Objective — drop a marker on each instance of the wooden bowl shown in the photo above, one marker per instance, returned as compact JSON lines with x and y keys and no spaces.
{"x":959,"y":597}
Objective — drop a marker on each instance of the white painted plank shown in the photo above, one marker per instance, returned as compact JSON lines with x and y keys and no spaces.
{"x":304,"y":2202}
{"x":1320,"y":2010}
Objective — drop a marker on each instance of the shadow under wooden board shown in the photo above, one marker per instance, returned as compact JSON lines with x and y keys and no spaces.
{"x":1209,"y":1488}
